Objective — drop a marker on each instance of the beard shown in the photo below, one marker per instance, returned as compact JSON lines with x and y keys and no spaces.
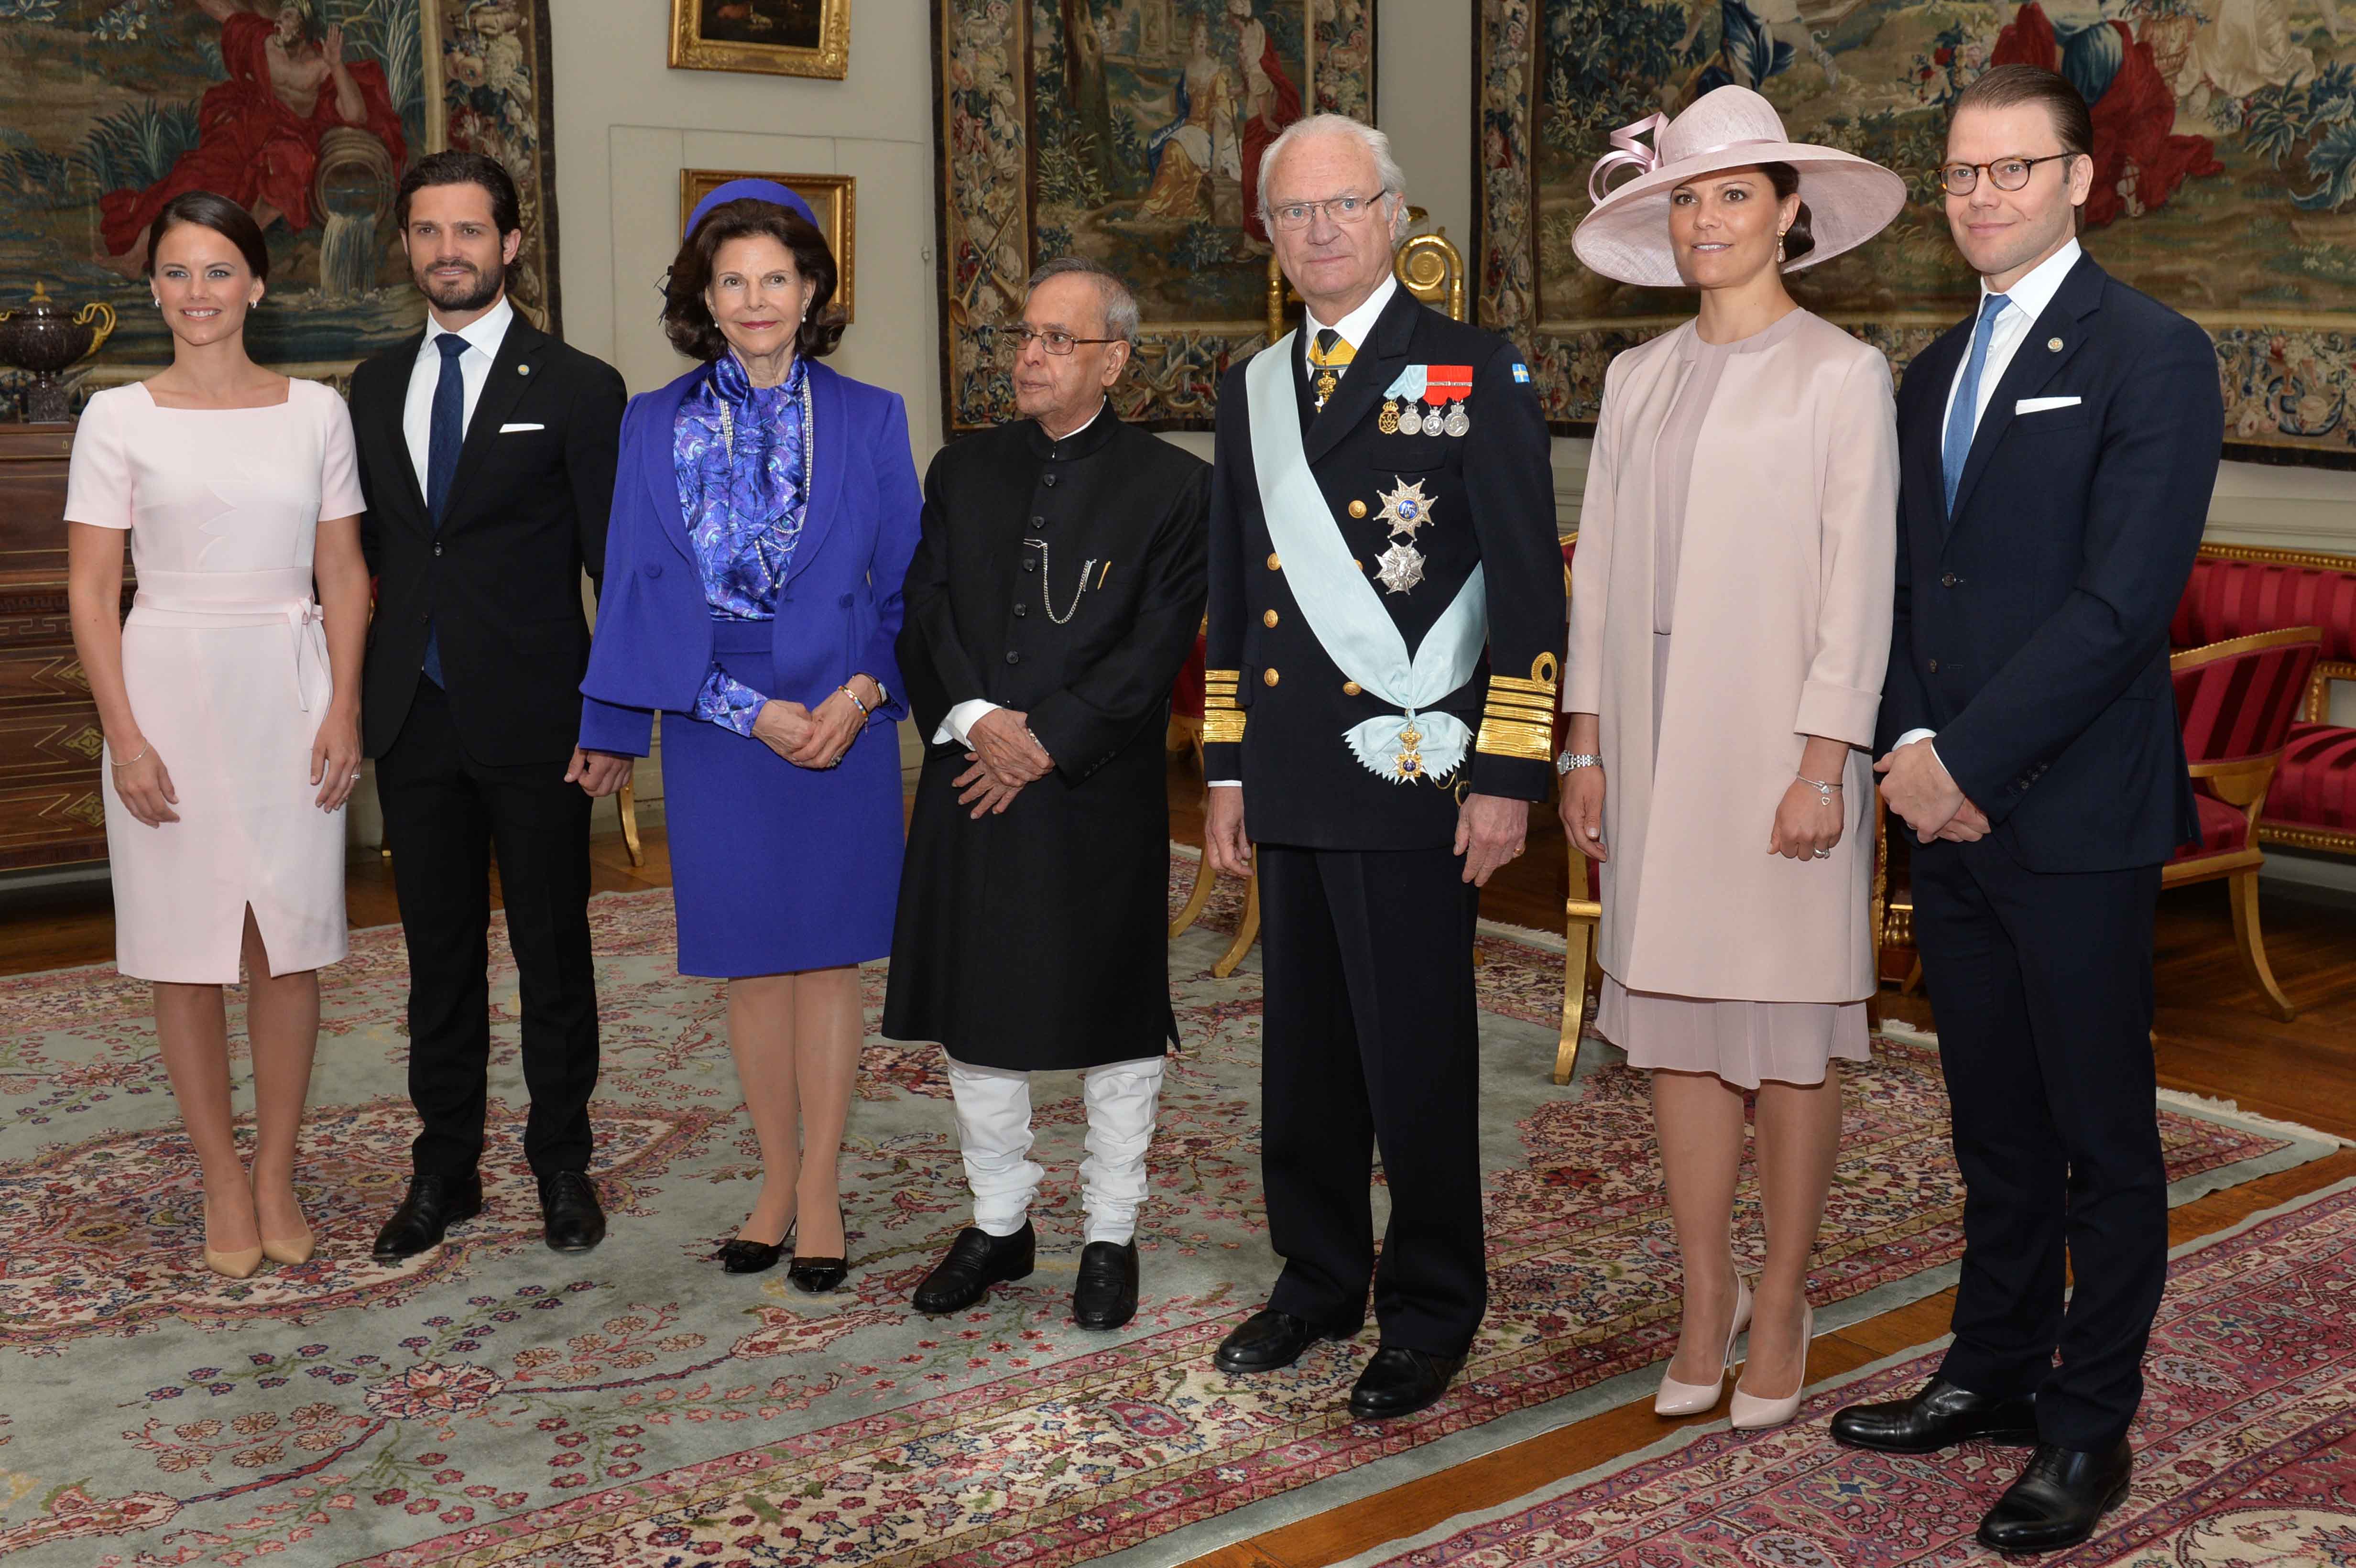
{"x":478,"y":289}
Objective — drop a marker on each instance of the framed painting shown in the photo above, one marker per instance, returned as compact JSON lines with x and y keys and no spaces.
{"x":107,"y":112}
{"x":780,"y":37}
{"x":1130,"y":132}
{"x":2224,"y":173}
{"x":832,"y":198}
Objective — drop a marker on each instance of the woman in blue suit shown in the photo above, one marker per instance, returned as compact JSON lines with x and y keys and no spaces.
{"x":764,"y":515}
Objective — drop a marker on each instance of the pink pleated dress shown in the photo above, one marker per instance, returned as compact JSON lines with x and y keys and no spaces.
{"x":226,"y":663}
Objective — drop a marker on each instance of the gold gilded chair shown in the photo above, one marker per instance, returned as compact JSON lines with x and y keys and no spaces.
{"x":1582,"y":912}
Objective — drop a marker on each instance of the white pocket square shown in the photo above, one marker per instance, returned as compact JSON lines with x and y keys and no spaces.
{"x":2025,"y":406}
{"x":511,"y":429}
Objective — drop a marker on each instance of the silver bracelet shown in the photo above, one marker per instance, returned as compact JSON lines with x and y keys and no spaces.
{"x":1570,"y":760}
{"x":1825,"y":792}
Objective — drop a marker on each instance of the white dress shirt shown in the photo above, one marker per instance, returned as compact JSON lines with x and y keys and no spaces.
{"x":1354,"y":328}
{"x":483,"y":335}
{"x":2026,"y":300}
{"x":959,"y":725}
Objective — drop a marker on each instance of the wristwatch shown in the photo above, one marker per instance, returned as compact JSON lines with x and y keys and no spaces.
{"x":1570,"y":760}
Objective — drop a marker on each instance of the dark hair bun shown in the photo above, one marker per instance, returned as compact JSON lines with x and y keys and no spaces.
{"x":1799,"y":239}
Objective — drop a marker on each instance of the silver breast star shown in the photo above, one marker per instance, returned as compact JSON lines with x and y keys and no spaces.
{"x":1402,"y":568}
{"x":1406,"y":508}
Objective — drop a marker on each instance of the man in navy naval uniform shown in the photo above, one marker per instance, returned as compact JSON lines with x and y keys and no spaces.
{"x":1386,"y":616}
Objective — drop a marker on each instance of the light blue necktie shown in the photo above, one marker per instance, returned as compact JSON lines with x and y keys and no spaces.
{"x":1963,"y":417}
{"x":445,"y":432}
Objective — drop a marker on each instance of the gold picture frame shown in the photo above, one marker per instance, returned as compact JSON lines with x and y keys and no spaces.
{"x":729,"y":35}
{"x":832,"y":197}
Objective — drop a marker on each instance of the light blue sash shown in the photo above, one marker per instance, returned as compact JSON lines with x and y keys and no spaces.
{"x":1342,"y":608}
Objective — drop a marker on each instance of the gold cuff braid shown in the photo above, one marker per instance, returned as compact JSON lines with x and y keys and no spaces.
{"x":1223,"y":721}
{"x":1509,"y":737}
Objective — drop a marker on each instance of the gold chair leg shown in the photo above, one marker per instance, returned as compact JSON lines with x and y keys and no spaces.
{"x":1198,"y":897}
{"x":627,"y":797}
{"x":1247,"y":933}
{"x":2253,"y":943}
{"x":1578,"y":948}
{"x":1913,"y":979}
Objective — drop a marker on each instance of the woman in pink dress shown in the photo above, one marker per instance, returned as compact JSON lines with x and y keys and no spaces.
{"x":229,"y":701}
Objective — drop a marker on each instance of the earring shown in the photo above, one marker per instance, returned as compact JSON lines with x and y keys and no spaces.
{"x":1779,"y":250}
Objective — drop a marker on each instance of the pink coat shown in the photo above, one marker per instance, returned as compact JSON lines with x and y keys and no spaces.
{"x":1783,"y":631}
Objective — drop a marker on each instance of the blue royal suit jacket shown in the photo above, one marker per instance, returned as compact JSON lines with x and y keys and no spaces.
{"x":2031,"y":623}
{"x":839,"y":610}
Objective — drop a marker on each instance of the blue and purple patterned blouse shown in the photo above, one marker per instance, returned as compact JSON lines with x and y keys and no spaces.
{"x":743,"y":501}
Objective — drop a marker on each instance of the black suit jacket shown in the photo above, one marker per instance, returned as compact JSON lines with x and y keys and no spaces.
{"x":2031,"y":626}
{"x":500,"y":580}
{"x":1491,"y":492}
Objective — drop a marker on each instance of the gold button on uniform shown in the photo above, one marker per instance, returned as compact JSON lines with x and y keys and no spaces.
{"x":1357,"y":508}
{"x":1349,"y":689}
{"x":1269,"y":619}
{"x":1274,"y":564}
{"x":1267,"y":677}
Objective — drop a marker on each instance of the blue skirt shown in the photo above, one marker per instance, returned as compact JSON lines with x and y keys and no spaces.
{"x":777,"y":868}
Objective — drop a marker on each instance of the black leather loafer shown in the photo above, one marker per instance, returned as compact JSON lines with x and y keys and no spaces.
{"x":571,"y":1218}
{"x":1399,"y":1381}
{"x":1106,"y":1296}
{"x":1269,"y":1339}
{"x":432,"y":1205}
{"x":2059,"y":1498}
{"x":1940,"y":1416}
{"x":976,"y":1261}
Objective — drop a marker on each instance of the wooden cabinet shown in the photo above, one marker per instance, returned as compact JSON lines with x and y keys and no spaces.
{"x":50,"y":765}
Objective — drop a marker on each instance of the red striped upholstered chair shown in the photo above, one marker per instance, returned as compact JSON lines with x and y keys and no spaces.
{"x":2239,"y":590}
{"x":1581,"y":912}
{"x":2237,"y":701}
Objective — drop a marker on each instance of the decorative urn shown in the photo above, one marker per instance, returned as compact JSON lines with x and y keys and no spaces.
{"x":40,"y":336}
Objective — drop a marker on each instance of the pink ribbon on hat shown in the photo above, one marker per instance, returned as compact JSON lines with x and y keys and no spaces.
{"x":1627,"y":150}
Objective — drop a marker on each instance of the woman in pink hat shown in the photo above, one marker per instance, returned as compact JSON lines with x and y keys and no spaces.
{"x":1729,"y":624}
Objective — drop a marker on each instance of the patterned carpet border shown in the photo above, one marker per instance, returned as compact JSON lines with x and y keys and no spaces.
{"x":493,"y":1403}
{"x":2245,"y":1448}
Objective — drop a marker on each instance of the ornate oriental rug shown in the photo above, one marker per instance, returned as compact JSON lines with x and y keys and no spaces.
{"x":2245,"y":1448}
{"x":492,"y":1403}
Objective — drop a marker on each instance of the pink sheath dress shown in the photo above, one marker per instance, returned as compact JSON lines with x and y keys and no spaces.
{"x":226,"y":663}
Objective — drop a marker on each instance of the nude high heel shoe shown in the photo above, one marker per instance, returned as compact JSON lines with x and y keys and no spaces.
{"x":238,"y":1264}
{"x":1692,"y":1399}
{"x":297,"y":1250}
{"x":1750,"y":1413}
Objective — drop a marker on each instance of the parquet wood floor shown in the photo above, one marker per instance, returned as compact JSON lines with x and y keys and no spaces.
{"x":2213,"y":1041}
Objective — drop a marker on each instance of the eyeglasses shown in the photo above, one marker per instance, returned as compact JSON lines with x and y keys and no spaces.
{"x":1341,"y":209}
{"x":2008,"y":174}
{"x":1013,"y":340}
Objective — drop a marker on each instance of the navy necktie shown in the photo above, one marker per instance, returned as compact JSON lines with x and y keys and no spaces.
{"x":446,"y":433}
{"x":1963,"y":415}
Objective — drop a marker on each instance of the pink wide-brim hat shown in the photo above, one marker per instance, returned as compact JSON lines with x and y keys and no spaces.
{"x":1850,"y":199}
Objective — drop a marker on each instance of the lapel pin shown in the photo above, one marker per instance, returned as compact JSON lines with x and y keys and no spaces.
{"x":2053,"y":344}
{"x":526,"y":370}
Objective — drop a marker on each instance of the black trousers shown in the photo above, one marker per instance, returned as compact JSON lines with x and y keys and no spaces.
{"x":2042,"y":984}
{"x":443,"y":813}
{"x":1370,"y":1039}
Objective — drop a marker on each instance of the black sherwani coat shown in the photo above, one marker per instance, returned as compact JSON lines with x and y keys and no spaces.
{"x":1039,"y":939}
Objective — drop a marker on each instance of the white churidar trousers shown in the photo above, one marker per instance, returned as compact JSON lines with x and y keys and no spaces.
{"x":993,"y":1115}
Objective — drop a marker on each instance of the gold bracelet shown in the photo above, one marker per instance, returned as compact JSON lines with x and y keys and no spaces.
{"x":845,"y":690}
{"x":128,"y":761}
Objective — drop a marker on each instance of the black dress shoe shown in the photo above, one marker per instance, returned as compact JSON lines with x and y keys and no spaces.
{"x":432,"y":1205}
{"x":1106,"y":1296}
{"x":2060,"y":1494}
{"x":740,"y":1255}
{"x":820,"y":1276}
{"x":569,"y":1216}
{"x":976,"y":1261}
{"x":1401,"y":1382}
{"x":1269,"y":1339}
{"x":1940,"y":1416}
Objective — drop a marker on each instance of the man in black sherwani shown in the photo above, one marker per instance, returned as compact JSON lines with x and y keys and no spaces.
{"x":1386,"y":626}
{"x":1056,"y":590}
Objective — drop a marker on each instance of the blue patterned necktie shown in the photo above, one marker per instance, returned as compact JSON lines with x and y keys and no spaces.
{"x":446,"y":433}
{"x":1963,"y":415}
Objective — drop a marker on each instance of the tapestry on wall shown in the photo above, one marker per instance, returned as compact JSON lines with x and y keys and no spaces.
{"x":304,"y":112}
{"x":1129,"y":131}
{"x":2224,"y":172}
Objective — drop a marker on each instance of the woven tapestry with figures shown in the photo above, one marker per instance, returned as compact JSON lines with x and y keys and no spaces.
{"x":304,"y":111}
{"x":1129,"y":131}
{"x":2224,"y":172}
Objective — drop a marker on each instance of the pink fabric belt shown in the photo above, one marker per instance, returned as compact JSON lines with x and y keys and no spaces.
{"x":224,"y":600}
